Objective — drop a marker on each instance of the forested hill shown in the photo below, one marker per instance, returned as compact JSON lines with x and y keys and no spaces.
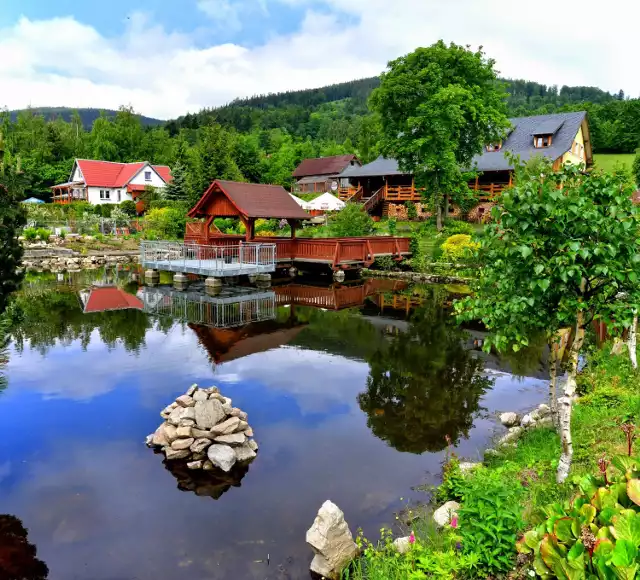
{"x":339,"y":112}
{"x":87,"y":116}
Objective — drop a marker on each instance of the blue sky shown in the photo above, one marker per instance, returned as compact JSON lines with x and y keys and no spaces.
{"x":170,"y":57}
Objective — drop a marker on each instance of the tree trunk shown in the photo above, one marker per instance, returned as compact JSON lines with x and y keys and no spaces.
{"x":556,"y":355}
{"x":438,"y":208}
{"x":632,"y":340}
{"x":565,"y":403}
{"x":445,"y":216}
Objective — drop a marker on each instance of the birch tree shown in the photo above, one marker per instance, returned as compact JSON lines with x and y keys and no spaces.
{"x":561,"y":251}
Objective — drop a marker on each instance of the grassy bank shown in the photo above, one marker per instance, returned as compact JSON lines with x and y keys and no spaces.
{"x":509,"y":493}
{"x":609,"y":161}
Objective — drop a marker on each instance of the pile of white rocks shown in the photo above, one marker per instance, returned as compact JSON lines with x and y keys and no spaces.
{"x":203,"y":429}
{"x":539,"y":417}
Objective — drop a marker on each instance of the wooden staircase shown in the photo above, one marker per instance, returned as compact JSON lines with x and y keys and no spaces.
{"x":372,"y":202}
{"x":350,"y":194}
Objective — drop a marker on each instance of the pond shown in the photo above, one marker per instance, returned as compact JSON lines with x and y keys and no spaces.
{"x":351,"y":391}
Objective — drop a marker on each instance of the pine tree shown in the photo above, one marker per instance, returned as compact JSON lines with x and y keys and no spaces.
{"x":178,"y":188}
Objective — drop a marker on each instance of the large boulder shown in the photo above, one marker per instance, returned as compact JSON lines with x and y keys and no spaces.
{"x":208,"y":413}
{"x":332,"y":542}
{"x":511,"y":436}
{"x":445,"y":513}
{"x":509,"y":419}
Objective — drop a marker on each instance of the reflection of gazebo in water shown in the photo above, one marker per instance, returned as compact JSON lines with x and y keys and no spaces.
{"x":108,"y":298}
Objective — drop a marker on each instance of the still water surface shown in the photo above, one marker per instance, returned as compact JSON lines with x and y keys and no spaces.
{"x":351,"y":405}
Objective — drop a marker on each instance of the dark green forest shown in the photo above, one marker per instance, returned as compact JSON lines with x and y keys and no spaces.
{"x":263,"y":138}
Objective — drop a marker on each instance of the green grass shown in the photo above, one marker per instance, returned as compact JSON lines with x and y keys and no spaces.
{"x":609,"y":161}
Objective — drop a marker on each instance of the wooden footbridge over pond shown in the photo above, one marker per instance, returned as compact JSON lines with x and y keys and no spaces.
{"x":207,"y":251}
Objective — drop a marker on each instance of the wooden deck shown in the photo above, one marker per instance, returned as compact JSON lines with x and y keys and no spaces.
{"x":338,"y":253}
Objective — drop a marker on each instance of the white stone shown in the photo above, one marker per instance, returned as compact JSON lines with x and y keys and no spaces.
{"x":185,"y":401}
{"x":545,"y":422}
{"x":253,"y":444}
{"x":170,"y":432}
{"x":160,"y":438}
{"x":233,"y":439}
{"x":544,"y":410}
{"x":211,"y":390}
{"x":208,"y":413}
{"x":149,"y":440}
{"x":200,"y":433}
{"x":511,"y":436}
{"x":222,"y":456}
{"x":242,"y":426}
{"x":200,"y":396}
{"x":244,"y":453}
{"x":180,"y":444}
{"x":443,"y":515}
{"x":176,"y":453}
{"x":528,"y":420}
{"x":248,"y":432}
{"x":403,"y":545}
{"x":183,"y":432}
{"x":200,"y":445}
{"x":509,"y":419}
{"x":192,"y":390}
{"x":194,"y":465}
{"x":332,"y":542}
{"x":226,"y":427}
{"x":467,"y":466}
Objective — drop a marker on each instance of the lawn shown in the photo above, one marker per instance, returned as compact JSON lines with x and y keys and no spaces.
{"x":608,"y":161}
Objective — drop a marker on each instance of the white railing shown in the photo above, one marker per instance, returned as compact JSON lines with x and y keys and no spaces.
{"x":244,"y":258}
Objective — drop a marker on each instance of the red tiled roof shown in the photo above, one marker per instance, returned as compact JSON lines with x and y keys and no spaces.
{"x":109,"y":174}
{"x":324,"y":165}
{"x":253,"y":200}
{"x":110,"y":298}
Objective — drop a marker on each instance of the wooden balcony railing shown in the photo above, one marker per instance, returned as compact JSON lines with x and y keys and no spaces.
{"x":350,"y":193}
{"x":402,"y":193}
{"x":489,"y":191}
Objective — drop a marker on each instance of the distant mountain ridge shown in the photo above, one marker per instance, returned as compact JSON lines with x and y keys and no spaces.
{"x":88,"y":116}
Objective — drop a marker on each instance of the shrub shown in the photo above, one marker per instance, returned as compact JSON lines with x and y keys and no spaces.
{"x":597,"y":533}
{"x":264,"y":226}
{"x":458,"y":227}
{"x":636,"y":169}
{"x":384,"y":263}
{"x":43,"y":234}
{"x":412,"y":211}
{"x":120,"y":217}
{"x":392,"y":224}
{"x":167,"y":223}
{"x":458,"y":248}
{"x":105,"y":209}
{"x":352,"y":222}
{"x":129,"y":207}
{"x":30,"y":234}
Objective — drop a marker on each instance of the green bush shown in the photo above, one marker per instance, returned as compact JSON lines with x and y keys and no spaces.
{"x":105,"y":209}
{"x":352,"y":222}
{"x":392,"y":225}
{"x":129,"y":207}
{"x":458,"y":227}
{"x":636,"y":169}
{"x":458,"y":248}
{"x":489,"y":522}
{"x":412,"y":211}
{"x":384,"y":263}
{"x":44,"y":234}
{"x":597,"y":533}
{"x":166,"y":223}
{"x":30,"y":234}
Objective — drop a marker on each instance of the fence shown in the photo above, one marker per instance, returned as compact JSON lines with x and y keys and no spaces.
{"x":218,"y":261}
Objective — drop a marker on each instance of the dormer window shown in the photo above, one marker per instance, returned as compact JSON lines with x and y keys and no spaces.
{"x":542,"y":141}
{"x":492,"y":147}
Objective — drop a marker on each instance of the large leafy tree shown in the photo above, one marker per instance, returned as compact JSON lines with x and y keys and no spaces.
{"x":424,"y":386}
{"x":439,"y":106}
{"x":563,"y":249}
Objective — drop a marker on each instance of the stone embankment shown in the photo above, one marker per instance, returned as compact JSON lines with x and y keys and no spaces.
{"x":205,"y":431}
{"x":54,"y":259}
{"x":415,"y":277}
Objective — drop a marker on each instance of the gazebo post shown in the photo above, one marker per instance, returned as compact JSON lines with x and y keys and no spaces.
{"x":293,"y":224}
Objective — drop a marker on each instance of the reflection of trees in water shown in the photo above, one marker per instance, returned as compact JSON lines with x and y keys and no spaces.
{"x":53,"y":316}
{"x":18,"y":559}
{"x":4,"y":349}
{"x":423,"y":385}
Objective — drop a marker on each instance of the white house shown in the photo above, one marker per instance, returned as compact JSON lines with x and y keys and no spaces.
{"x":100,"y":182}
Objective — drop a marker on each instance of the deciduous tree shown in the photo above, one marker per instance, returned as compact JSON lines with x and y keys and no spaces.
{"x":439,"y":106}
{"x":563,"y":250}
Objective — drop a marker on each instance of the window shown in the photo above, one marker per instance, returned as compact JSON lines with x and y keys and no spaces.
{"x":119,"y":196}
{"x":147,"y":175}
{"x":541,"y":141}
{"x":494,"y":147}
{"x":105,"y":194}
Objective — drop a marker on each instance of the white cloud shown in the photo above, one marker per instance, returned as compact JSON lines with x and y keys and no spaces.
{"x":64,"y":62}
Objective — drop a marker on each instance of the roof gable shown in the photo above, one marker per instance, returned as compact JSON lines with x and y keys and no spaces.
{"x":253,"y":200}
{"x":111,"y":174}
{"x":324,"y":165}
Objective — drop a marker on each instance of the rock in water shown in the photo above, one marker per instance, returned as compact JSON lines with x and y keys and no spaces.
{"x":192,"y":390}
{"x":199,"y":445}
{"x":226,"y":427}
{"x":200,"y":396}
{"x":170,"y":432}
{"x":183,"y":431}
{"x":332,"y":542}
{"x":244,"y":453}
{"x":222,"y":456}
{"x":234,"y":439}
{"x":208,"y":413}
{"x":185,"y":401}
{"x":253,"y":445}
{"x":160,"y":437}
{"x":177,"y":453}
{"x":182,"y":443}
{"x":442,"y":516}
{"x":509,"y":419}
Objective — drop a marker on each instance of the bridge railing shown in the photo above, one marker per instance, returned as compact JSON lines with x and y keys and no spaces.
{"x":207,"y":260}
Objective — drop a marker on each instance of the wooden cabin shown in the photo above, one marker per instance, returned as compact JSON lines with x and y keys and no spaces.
{"x":320,"y":175}
{"x":561,"y":138}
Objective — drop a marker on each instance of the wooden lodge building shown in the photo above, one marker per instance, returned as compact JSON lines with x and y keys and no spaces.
{"x":320,"y":175}
{"x":561,"y":138}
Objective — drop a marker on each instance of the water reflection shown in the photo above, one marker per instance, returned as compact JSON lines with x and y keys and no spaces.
{"x":18,"y":557}
{"x":89,"y":378}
